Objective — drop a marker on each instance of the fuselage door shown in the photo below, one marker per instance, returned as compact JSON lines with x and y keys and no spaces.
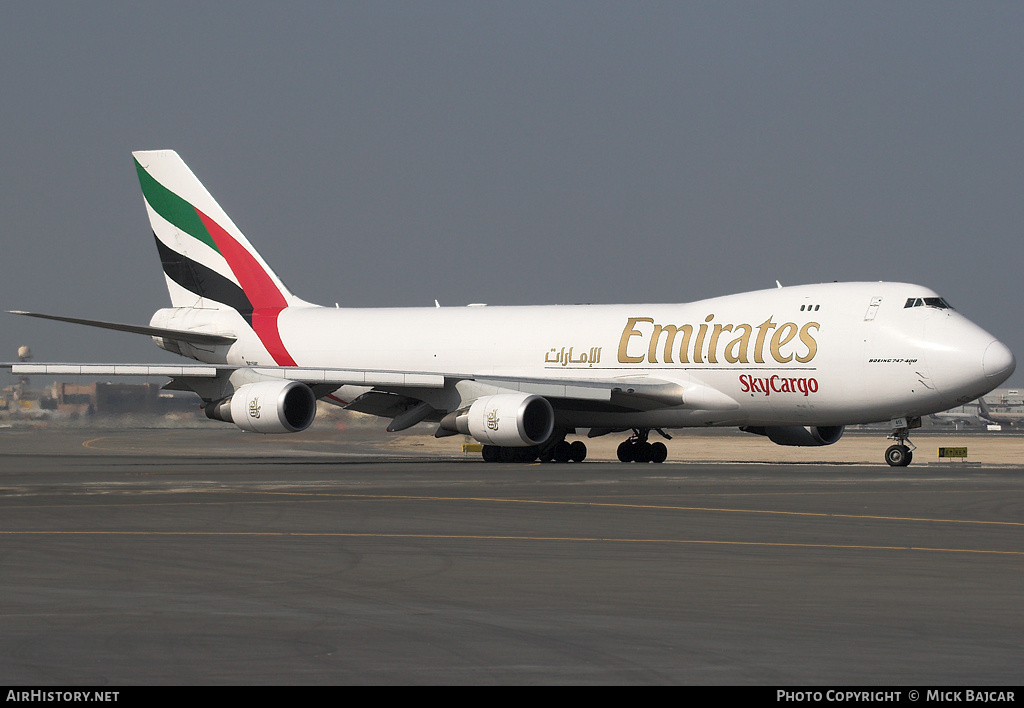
{"x":872,"y":309}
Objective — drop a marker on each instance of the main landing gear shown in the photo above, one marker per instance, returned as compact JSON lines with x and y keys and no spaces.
{"x":901,"y":454}
{"x":555,"y":450}
{"x":637,"y":449}
{"x":562,"y":451}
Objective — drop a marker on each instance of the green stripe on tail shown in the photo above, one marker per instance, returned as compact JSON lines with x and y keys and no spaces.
{"x":173,"y":208}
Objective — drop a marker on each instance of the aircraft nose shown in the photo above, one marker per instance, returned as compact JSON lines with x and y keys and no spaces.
{"x":964,"y":360}
{"x":998,"y":362}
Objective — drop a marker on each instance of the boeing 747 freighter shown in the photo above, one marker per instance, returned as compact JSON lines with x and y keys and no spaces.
{"x":794,"y":364}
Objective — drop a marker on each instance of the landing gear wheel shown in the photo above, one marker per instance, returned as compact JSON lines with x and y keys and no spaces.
{"x":625,"y":451}
{"x":578,"y":451}
{"x":563,"y":452}
{"x":643,"y":452}
{"x":637,"y":449}
{"x":659,"y":453}
{"x":526,"y":454}
{"x":491,"y":453}
{"x":898,"y":455}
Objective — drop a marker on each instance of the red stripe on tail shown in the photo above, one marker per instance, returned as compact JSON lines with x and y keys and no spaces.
{"x":267,"y":300}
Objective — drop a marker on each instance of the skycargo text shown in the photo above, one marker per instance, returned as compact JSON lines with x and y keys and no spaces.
{"x":777,"y":384}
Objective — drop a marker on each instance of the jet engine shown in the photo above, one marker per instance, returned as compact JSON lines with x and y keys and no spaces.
{"x":505,"y":419}
{"x":799,"y":435}
{"x":267,"y":407}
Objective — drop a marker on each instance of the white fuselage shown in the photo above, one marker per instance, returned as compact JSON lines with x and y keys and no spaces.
{"x":828,"y":354}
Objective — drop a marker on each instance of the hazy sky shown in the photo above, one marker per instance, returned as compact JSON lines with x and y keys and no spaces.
{"x":515,"y":153}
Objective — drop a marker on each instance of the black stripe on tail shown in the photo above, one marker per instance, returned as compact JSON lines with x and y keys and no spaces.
{"x":203,"y":281}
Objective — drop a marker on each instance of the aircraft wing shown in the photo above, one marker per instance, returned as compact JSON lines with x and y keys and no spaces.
{"x":630,"y":391}
{"x":291,"y":373}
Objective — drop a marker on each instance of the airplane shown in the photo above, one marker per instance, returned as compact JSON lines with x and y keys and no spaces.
{"x":1004,"y":417}
{"x":958,"y":417}
{"x":793,"y":364}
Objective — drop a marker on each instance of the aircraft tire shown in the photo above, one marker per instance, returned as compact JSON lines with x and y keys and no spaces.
{"x":659,"y":453}
{"x":625,"y":451}
{"x":643,"y":452}
{"x":898,"y":455}
{"x":578,"y":451}
{"x":563,"y":451}
{"x":491,"y":453}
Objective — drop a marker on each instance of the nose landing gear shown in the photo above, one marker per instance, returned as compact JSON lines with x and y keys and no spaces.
{"x":901,"y":454}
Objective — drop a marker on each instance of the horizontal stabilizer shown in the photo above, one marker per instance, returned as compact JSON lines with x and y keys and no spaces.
{"x":176,"y":334}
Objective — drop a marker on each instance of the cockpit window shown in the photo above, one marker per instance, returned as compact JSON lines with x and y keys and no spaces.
{"x":937,"y":302}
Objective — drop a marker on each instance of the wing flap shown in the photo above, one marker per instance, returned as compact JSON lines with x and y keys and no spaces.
{"x":353,"y":377}
{"x":631,"y":391}
{"x":664,"y":392}
{"x":590,"y":391}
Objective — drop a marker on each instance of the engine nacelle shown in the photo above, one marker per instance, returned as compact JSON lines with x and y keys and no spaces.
{"x":267,"y":407}
{"x":505,"y":419}
{"x":799,"y":435}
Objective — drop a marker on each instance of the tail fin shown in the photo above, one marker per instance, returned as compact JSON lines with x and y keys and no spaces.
{"x":207,"y":260}
{"x":983,"y":405}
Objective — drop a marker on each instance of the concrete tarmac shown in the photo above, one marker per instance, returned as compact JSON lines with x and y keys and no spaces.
{"x":215,"y":557}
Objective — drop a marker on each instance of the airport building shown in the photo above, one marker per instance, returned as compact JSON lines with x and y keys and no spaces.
{"x":74,"y":400}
